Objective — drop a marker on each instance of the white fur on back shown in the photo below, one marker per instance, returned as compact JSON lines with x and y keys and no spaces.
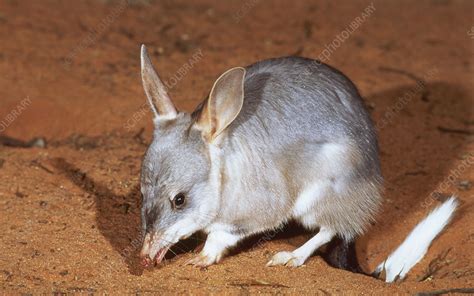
{"x":416,"y":244}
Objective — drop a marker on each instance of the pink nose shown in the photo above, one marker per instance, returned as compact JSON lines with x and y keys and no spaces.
{"x":145,"y":252}
{"x":146,"y":261}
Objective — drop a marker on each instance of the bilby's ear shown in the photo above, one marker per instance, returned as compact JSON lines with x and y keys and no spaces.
{"x":223,"y":105}
{"x":160,"y":102}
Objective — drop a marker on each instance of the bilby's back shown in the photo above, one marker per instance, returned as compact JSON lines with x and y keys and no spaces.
{"x":302,"y":123}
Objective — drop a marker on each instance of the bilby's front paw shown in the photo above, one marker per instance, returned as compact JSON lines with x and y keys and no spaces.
{"x":203,"y":260}
{"x":286,"y":258}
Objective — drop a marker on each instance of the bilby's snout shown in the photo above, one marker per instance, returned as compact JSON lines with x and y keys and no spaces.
{"x":146,"y":245}
{"x":152,"y":250}
{"x":145,"y":251}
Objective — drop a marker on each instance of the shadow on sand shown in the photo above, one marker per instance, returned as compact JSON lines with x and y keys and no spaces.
{"x":421,"y":139}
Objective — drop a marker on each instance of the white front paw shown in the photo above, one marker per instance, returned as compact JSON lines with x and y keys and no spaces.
{"x":286,"y":258}
{"x":204,"y":260}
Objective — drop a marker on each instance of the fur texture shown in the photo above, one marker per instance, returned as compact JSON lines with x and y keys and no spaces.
{"x":297,"y":133}
{"x":283,"y":139}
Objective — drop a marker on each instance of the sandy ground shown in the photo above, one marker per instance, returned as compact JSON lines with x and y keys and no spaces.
{"x":70,"y":73}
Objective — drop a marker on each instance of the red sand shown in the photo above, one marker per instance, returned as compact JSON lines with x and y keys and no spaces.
{"x":70,"y":213}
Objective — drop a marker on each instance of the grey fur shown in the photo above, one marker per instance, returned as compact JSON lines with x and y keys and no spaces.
{"x":292,"y":107}
{"x":296,"y":111}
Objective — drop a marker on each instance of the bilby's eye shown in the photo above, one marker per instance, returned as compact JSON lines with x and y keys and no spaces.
{"x":179,"y":200}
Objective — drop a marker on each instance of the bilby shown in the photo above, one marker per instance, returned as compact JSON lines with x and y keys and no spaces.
{"x":283,"y":139}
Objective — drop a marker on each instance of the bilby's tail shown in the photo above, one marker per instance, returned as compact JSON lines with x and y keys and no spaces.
{"x":412,"y":250}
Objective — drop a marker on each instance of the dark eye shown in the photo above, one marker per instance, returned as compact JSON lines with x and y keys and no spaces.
{"x":179,"y":200}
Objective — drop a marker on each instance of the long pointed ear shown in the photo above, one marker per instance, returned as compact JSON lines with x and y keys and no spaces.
{"x":223,"y":105}
{"x":160,"y":102}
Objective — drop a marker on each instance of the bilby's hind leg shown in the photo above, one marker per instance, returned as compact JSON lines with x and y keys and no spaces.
{"x":342,"y":254}
{"x":299,"y":256}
